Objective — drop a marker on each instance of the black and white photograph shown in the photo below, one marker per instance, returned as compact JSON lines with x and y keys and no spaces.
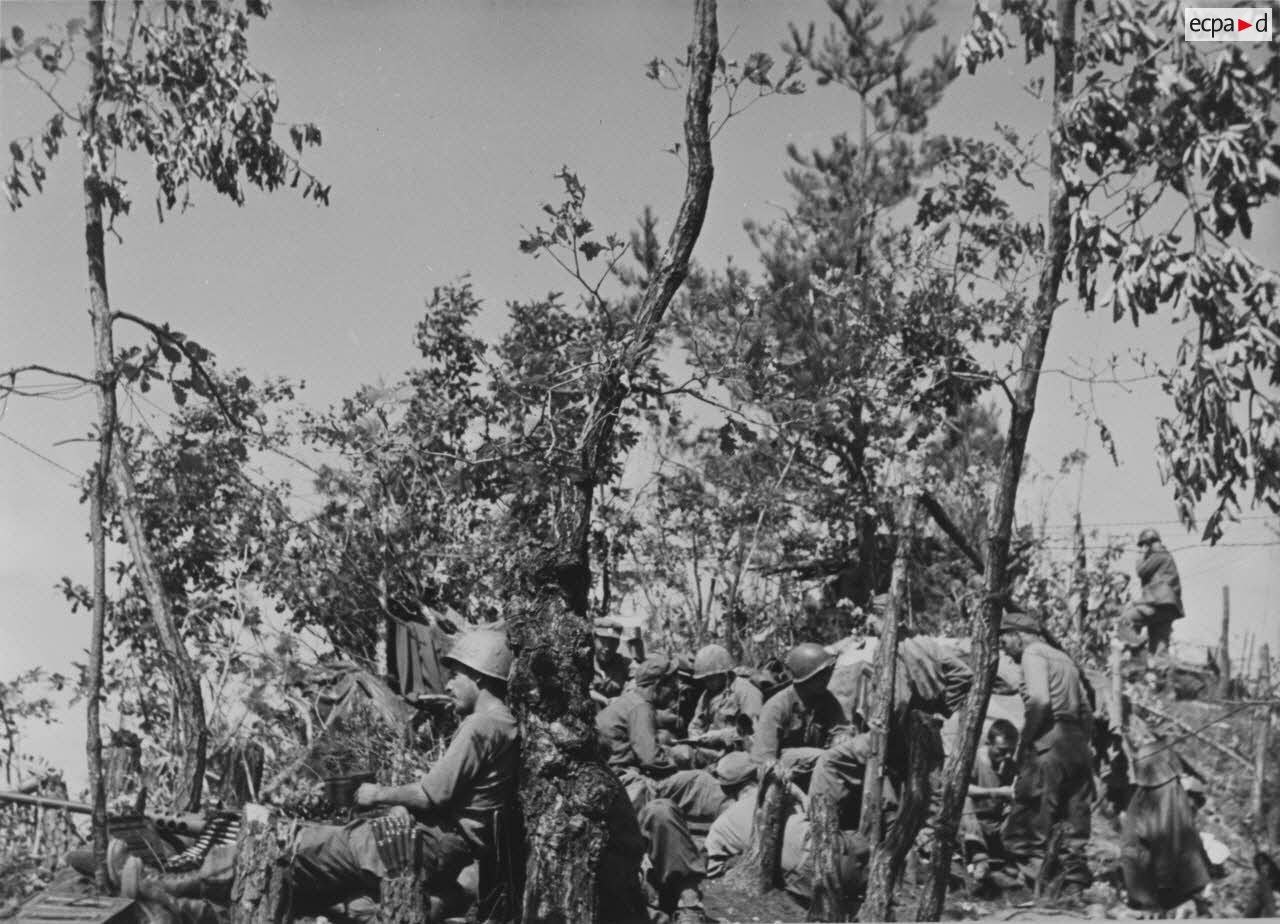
{"x":639,"y":461}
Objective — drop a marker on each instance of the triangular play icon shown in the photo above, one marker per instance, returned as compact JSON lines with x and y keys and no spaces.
{"x":1244,"y":24}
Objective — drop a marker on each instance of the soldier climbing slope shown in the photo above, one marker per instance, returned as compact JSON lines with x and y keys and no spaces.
{"x":1149,"y":620}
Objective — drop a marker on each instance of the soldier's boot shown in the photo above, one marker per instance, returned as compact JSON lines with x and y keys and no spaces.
{"x":211,"y":881}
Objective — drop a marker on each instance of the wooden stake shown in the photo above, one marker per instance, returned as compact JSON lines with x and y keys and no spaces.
{"x":1261,"y":736}
{"x":1224,"y":654}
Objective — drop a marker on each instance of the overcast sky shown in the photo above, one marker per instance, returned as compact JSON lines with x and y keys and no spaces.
{"x":443,"y":124}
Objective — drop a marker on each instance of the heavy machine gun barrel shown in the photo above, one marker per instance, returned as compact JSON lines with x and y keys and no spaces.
{"x":189,"y":823}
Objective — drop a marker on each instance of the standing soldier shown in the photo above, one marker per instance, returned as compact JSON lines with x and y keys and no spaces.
{"x":612,"y":670}
{"x":1054,"y":758}
{"x":1161,"y":600}
{"x":729,"y":706}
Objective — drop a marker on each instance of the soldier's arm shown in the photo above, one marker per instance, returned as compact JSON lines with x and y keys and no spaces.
{"x":750,"y":701}
{"x":1035,"y":698}
{"x":642,"y":730}
{"x":765,"y":745}
{"x":456,"y":769}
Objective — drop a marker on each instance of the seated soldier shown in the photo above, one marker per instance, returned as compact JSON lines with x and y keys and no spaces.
{"x":728,"y":707}
{"x":987,"y":803}
{"x":628,"y":733}
{"x":611,"y":669}
{"x":806,"y":728}
{"x":454,"y":804}
{"x":731,"y":834}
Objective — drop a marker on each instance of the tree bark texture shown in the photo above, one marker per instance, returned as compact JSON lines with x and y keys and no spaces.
{"x":885,"y":667}
{"x":986,"y":623}
{"x":105,"y":394}
{"x":925,"y":756}
{"x":831,"y":899}
{"x":576,"y":814}
{"x":263,"y":889}
{"x":191,"y":733}
{"x":760,"y":869}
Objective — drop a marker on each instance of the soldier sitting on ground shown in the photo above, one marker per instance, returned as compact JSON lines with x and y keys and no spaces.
{"x":453,"y":806}
{"x":612,"y":670}
{"x":731,"y":834}
{"x":987,"y":804}
{"x":728,"y":707}
{"x":628,"y":733}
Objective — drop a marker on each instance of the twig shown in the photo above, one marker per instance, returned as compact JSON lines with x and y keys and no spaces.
{"x":1196,"y":732}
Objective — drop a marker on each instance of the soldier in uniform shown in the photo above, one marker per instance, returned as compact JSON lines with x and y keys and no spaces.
{"x":612,"y":670}
{"x":628,"y":733}
{"x":1055,"y":758}
{"x":1151,"y":617}
{"x":453,"y":804}
{"x":987,"y":802}
{"x":729,"y":705}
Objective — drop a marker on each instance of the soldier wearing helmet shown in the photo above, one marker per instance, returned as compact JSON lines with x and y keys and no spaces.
{"x":454,"y":803}
{"x":1149,"y":619}
{"x":729,"y":705}
{"x":612,"y":670}
{"x":806,"y":717}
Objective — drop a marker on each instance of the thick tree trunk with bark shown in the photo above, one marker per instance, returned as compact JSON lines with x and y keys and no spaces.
{"x":581,"y":836}
{"x":986,"y":624}
{"x":831,"y":899}
{"x":760,"y":869}
{"x":263,"y":888}
{"x":191,"y":733}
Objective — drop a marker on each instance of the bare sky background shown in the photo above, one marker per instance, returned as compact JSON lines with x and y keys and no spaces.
{"x":443,"y":125}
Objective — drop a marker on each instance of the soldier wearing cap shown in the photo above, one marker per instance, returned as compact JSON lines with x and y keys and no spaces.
{"x":453,"y":805}
{"x":1055,"y":773}
{"x":628,"y":729}
{"x":612,"y":670}
{"x":628,"y":733}
{"x":729,"y":705}
{"x":1161,"y":601}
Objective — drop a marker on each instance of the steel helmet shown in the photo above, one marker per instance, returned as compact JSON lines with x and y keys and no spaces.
{"x":806,"y":660}
{"x":1148,"y":536}
{"x":711,"y":659}
{"x":484,"y":651}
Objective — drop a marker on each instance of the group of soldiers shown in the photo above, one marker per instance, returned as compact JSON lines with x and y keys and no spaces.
{"x":691,"y":739}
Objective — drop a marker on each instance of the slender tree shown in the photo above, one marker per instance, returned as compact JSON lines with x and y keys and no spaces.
{"x":175,"y":83}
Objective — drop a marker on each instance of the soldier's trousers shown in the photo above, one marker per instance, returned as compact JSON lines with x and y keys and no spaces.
{"x":333,"y":863}
{"x":675,"y":862}
{"x":838,"y":775}
{"x":1054,"y":786}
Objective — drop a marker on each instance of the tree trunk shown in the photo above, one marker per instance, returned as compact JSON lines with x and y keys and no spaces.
{"x":576,"y":812}
{"x":191,"y":733}
{"x":93,"y":720}
{"x":106,"y":398}
{"x":760,"y":869}
{"x":986,"y":623}
{"x":831,"y":898}
{"x":262,"y":892}
{"x":885,"y":667}
{"x":883,"y":725}
{"x":925,"y":756}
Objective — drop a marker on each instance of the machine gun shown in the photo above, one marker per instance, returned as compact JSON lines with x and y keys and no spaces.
{"x":138,"y":831}
{"x":190,"y":824}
